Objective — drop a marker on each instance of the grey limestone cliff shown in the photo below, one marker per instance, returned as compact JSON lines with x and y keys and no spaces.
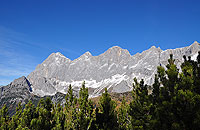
{"x":20,"y":91}
{"x":114,"y":69}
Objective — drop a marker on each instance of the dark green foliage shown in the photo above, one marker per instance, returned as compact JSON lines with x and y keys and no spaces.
{"x":123,"y":117}
{"x":106,"y":117}
{"x":59,"y":118}
{"x":15,"y":118}
{"x":156,"y":90}
{"x":85,"y":109}
{"x":139,"y":108}
{"x":178,"y":104}
{"x":174,"y":104}
{"x":4,"y":118}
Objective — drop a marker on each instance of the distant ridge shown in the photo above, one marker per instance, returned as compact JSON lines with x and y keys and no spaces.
{"x":114,"y":69}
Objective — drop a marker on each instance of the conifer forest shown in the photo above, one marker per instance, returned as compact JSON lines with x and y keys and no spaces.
{"x":172,"y":104}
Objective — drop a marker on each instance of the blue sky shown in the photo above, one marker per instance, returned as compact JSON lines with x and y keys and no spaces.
{"x":30,"y":30}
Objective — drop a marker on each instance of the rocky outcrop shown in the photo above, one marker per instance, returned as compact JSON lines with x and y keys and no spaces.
{"x":20,"y":91}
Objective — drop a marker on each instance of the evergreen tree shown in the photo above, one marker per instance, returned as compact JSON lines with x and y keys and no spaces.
{"x":178,"y":106}
{"x":139,"y":108}
{"x":85,"y":109}
{"x":156,"y":90}
{"x":69,"y":98}
{"x":27,"y":115}
{"x":123,"y":118}
{"x":71,"y":121}
{"x":106,"y":119}
{"x":4,"y":118}
{"x":59,"y":118}
{"x":43,"y":117}
{"x":162,"y":111}
{"x":15,"y":118}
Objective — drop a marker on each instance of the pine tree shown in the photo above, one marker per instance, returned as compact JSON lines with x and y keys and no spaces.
{"x":162,"y":112}
{"x":156,"y":90}
{"x":69,"y":98}
{"x":43,"y":117}
{"x":15,"y":118}
{"x":4,"y":118}
{"x":86,"y":108}
{"x":123,"y":117}
{"x":178,"y":106}
{"x":27,"y":115}
{"x":106,"y":119}
{"x":196,"y":70}
{"x":59,"y":118}
{"x":139,"y":108}
{"x":70,"y":110}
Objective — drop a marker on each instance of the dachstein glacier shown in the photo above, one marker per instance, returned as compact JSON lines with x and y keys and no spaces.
{"x":114,"y":69}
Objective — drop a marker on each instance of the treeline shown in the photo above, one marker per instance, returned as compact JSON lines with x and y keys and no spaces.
{"x":174,"y":104}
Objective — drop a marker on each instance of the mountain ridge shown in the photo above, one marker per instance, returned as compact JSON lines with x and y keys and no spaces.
{"x":110,"y":69}
{"x":114,"y":69}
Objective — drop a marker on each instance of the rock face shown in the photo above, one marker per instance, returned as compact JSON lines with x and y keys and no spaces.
{"x":20,"y":91}
{"x":17,"y":91}
{"x":114,"y":69}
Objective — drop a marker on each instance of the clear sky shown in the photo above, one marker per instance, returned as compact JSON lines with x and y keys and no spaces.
{"x":30,"y":30}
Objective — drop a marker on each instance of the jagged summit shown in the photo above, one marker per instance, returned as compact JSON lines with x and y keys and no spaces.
{"x":116,"y":50}
{"x":59,"y":54}
{"x":114,"y":69}
{"x":115,"y":47}
{"x":153,"y":47}
{"x":20,"y":80}
{"x":86,"y":55}
{"x":195,"y":43}
{"x":56,"y":58}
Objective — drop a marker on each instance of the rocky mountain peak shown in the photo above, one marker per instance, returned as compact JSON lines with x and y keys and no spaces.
{"x":195,"y":44}
{"x":112,"y":68}
{"x":114,"y":49}
{"x":193,"y":48}
{"x":56,"y":58}
{"x":85,"y":56}
{"x":154,"y":48}
{"x":117,"y":51}
{"x":21,"y":80}
{"x":151,"y":51}
{"x":57,"y":55}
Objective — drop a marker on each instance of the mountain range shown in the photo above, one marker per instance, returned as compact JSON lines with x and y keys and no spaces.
{"x":114,"y":69}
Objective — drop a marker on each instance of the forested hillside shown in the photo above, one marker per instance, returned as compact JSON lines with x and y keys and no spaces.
{"x":173,"y":104}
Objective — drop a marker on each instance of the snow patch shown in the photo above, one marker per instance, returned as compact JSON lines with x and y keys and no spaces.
{"x":111,"y":66}
{"x":103,"y":66}
{"x":194,"y":57}
{"x":62,"y":86}
{"x":41,"y":92}
{"x":133,"y":66}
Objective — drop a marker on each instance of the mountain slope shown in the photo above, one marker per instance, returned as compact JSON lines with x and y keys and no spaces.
{"x":20,"y":91}
{"x":114,"y":69}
